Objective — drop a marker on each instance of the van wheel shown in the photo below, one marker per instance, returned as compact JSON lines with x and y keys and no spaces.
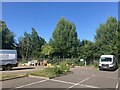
{"x":100,"y":68}
{"x":3,"y":69}
{"x":9,"y":67}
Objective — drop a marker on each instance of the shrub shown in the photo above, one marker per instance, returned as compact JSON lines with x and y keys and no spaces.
{"x":64,"y":67}
{"x":96,"y":64}
{"x":118,"y":65}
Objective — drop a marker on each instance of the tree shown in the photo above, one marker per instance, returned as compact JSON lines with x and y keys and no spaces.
{"x":36,"y":43}
{"x":64,"y":39}
{"x":7,"y":41}
{"x":118,"y":41}
{"x":30,"y":45}
{"x":87,"y":50}
{"x":47,"y":50}
{"x":106,"y":38}
{"x":25,"y":46}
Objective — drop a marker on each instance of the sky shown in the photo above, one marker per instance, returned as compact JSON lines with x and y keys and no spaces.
{"x":43,"y":16}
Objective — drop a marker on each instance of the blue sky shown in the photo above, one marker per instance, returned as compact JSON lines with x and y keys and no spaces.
{"x":87,"y":16}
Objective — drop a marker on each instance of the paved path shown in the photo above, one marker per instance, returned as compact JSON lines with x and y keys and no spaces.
{"x":82,"y":77}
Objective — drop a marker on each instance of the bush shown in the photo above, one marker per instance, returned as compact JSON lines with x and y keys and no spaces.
{"x":96,"y":64}
{"x":118,"y":65}
{"x":52,"y":71}
{"x":64,"y":67}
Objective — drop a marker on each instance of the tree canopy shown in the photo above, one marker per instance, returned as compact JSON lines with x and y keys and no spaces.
{"x":64,"y":42}
{"x":30,"y":45}
{"x":64,"y":39}
{"x":106,"y":38}
{"x":7,"y":37}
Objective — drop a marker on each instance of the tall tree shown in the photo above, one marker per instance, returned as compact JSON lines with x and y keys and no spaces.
{"x":47,"y":50}
{"x":25,"y":46}
{"x":106,"y":38}
{"x":87,"y":50}
{"x":36,"y":43}
{"x":64,"y":38}
{"x":30,"y":45}
{"x":7,"y":41}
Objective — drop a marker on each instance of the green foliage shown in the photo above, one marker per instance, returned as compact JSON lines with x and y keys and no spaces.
{"x":87,"y":50}
{"x":96,"y":64}
{"x":30,"y":45}
{"x":64,"y":39}
{"x":52,"y":71}
{"x":47,"y":50}
{"x":65,"y":43}
{"x":55,"y":60}
{"x":106,"y":38}
{"x":7,"y":39}
{"x":63,"y":66}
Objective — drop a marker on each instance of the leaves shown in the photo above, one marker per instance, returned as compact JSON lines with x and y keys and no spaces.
{"x":7,"y":37}
{"x":106,"y":38}
{"x":30,"y":45}
{"x":47,"y":50}
{"x":64,"y":39}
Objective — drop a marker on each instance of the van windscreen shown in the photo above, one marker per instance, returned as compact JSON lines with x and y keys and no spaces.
{"x":106,"y":59}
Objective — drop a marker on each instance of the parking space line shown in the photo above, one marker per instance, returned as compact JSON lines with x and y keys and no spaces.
{"x":61,"y":81}
{"x":30,"y":84}
{"x":99,"y":76}
{"x":73,"y":83}
{"x":80,"y":82}
{"x":117,"y":86}
{"x":88,"y":86}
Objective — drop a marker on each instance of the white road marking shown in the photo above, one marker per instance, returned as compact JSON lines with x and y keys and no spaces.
{"x":73,"y":83}
{"x":61,"y":81}
{"x":31,"y":84}
{"x":99,"y":76}
{"x":58,"y":81}
{"x":88,"y":86}
{"x":117,"y":86}
{"x":80,"y":82}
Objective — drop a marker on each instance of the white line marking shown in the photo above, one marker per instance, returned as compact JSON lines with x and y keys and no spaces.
{"x":117,"y":86}
{"x":99,"y":76}
{"x":73,"y":83}
{"x":80,"y":82}
{"x":61,"y":81}
{"x":88,"y":86}
{"x":31,"y":83}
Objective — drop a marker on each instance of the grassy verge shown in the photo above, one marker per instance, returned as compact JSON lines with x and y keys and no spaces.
{"x":11,"y":76}
{"x":54,"y":71}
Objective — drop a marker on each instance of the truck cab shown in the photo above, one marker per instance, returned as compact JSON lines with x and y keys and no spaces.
{"x":108,"y":62}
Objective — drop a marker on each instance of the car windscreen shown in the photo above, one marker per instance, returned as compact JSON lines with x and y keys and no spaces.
{"x":106,"y":59}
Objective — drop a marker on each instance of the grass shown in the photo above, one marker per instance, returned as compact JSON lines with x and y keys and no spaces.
{"x":54,"y":71}
{"x":11,"y":76}
{"x":44,"y":73}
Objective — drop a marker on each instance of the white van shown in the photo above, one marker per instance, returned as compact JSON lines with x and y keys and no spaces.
{"x":107,"y":62}
{"x":8,"y":59}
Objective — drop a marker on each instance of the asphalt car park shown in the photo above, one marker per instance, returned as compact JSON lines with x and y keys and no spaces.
{"x":82,"y":77}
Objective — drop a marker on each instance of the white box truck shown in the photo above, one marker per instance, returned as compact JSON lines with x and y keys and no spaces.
{"x":8,"y":59}
{"x":108,"y":62}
